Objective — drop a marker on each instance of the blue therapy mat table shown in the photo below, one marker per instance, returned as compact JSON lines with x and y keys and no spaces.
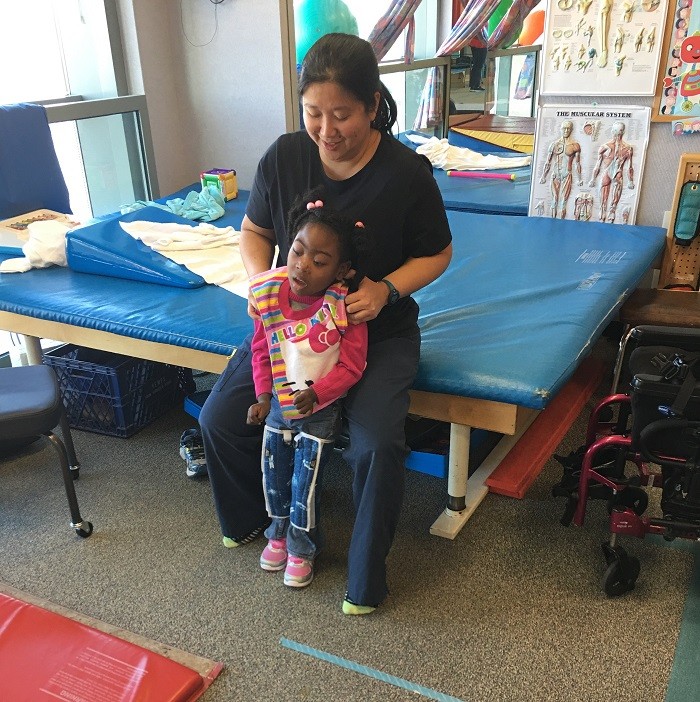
{"x":503,"y":329}
{"x":483,"y":195}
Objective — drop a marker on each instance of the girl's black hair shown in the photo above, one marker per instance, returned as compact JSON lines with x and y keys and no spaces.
{"x":351,"y":63}
{"x":355,"y":241}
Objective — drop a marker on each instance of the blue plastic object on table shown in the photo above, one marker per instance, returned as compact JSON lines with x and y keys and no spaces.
{"x":104,"y":248}
{"x":483,"y":147}
{"x":483,"y":195}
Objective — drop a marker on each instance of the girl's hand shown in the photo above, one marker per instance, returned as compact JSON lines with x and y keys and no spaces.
{"x":304,"y":401}
{"x":258,"y":412}
{"x":367,"y":302}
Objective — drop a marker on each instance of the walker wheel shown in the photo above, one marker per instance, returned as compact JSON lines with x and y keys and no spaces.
{"x":635,"y":498}
{"x":620,"y":575}
{"x":85,"y":530}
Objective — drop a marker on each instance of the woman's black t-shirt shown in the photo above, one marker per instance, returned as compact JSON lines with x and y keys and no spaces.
{"x":394,"y":195}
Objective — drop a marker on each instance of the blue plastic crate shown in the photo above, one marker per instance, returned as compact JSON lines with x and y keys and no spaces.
{"x":108,"y":393}
{"x":432,"y":455}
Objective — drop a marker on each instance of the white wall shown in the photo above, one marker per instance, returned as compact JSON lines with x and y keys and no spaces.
{"x":214,"y":106}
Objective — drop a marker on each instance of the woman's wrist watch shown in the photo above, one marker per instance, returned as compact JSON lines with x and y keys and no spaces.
{"x":394,"y":294}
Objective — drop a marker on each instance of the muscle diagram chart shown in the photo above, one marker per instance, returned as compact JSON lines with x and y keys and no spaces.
{"x":588,"y":162}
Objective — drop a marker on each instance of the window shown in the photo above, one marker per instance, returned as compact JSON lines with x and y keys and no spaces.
{"x":71,"y":55}
{"x":405,"y":81}
{"x":65,"y":48}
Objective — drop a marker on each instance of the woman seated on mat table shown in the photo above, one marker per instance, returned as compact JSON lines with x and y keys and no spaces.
{"x":300,"y":376}
{"x":347,"y":148}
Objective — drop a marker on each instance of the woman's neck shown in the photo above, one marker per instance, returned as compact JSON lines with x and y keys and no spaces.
{"x":342,"y":170}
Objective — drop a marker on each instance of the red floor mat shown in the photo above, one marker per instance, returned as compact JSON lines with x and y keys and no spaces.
{"x":45,"y":655}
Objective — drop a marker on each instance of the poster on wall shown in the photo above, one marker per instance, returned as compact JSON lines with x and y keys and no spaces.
{"x":678,"y":89}
{"x":588,"y":162}
{"x":602,"y":47}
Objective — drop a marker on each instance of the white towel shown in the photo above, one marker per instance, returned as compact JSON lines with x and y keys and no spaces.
{"x":45,"y":247}
{"x":209,"y":251}
{"x":167,"y":236}
{"x":444,"y":155}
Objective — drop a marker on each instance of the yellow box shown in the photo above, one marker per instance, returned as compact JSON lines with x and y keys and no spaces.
{"x":224,"y":179}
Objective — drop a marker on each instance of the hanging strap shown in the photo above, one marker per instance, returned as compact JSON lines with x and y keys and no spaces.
{"x":678,"y":367}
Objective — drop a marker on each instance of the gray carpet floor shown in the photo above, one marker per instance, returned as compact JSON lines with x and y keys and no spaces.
{"x":511,"y":610}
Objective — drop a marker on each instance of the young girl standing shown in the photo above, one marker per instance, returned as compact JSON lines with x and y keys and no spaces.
{"x":305,"y":358}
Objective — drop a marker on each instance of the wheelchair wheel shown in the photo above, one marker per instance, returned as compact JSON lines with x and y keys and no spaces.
{"x":622,"y":571}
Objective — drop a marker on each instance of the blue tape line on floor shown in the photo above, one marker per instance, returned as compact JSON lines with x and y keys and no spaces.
{"x":683,"y":683}
{"x":370,"y":672}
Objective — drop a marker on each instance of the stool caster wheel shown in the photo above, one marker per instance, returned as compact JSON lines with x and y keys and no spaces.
{"x":85,"y":530}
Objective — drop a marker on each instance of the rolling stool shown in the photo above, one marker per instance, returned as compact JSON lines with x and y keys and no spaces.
{"x":30,"y":404}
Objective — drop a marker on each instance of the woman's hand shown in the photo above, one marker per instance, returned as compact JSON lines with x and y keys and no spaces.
{"x":252,"y":308}
{"x":367,"y":302}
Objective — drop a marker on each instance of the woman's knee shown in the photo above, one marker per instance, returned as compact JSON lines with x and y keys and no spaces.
{"x":377,"y":449}
{"x":214,"y":415}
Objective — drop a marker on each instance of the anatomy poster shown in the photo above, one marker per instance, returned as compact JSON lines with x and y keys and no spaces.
{"x":602,"y":47}
{"x":678,"y":96}
{"x":588,"y":162}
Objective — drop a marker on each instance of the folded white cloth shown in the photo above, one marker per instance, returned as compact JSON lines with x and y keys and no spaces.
{"x":168,"y":236}
{"x":45,"y":247}
{"x":209,"y":251}
{"x":448,"y":157}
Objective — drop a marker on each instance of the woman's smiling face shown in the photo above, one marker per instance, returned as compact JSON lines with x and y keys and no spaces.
{"x":337,"y":121}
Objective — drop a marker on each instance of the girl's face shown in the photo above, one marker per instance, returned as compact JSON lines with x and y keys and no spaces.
{"x":337,"y":121}
{"x":313,"y":262}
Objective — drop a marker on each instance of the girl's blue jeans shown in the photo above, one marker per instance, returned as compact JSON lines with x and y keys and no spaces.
{"x":293,"y":457}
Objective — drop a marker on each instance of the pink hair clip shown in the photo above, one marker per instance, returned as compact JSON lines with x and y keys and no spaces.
{"x":314,"y":205}
{"x":360,"y":225}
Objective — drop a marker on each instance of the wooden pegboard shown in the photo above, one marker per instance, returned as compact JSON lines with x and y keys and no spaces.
{"x":681,"y":264}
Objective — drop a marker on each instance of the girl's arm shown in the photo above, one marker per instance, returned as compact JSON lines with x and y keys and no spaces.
{"x":262,"y":368}
{"x":262,"y":376}
{"x":351,"y":364}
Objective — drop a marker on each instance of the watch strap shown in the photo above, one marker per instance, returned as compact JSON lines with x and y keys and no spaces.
{"x":394,"y":294}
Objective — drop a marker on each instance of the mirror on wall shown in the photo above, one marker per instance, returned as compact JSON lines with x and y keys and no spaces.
{"x":511,"y":81}
{"x":507,"y":83}
{"x":467,"y":91}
